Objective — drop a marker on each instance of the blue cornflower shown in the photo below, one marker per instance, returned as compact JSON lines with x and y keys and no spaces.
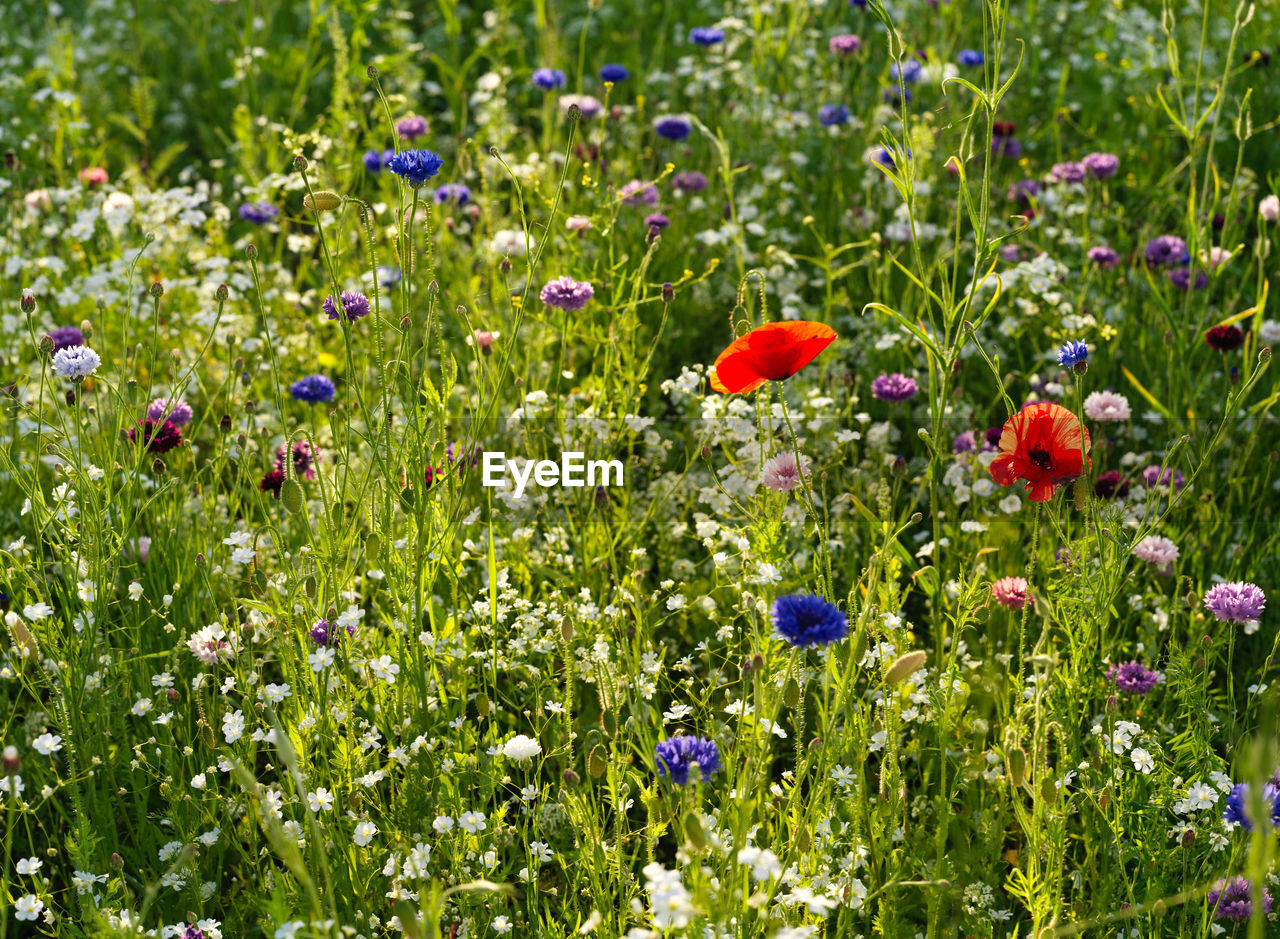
{"x":375,"y":160}
{"x":706,"y":35}
{"x":1236,"y":811}
{"x":548,"y":79}
{"x":259,"y":213}
{"x":830,"y":115}
{"x":388,"y":276}
{"x":673,"y":127}
{"x":806,"y":620}
{"x":415,"y":167}
{"x":1073,"y":354}
{"x":971,"y":57}
{"x":313,"y":389}
{"x":675,"y":756}
{"x":910,"y":71}
{"x":614,"y":73}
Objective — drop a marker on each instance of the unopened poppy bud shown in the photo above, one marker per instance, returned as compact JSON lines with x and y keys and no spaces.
{"x":28,"y":301}
{"x":322,"y":200}
{"x":157,"y":290}
{"x":668,"y":292}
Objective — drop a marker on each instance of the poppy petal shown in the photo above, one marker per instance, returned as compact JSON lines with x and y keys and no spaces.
{"x":772,"y":352}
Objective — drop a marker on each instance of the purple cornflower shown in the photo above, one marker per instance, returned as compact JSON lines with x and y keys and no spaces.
{"x":411,"y":128}
{"x":64,"y":337}
{"x":1101,"y":165}
{"x":991,"y":439}
{"x":833,"y":115}
{"x":673,"y":127}
{"x":689,"y":181}
{"x":1154,"y":476}
{"x":677,"y":755}
{"x":1236,"y":602}
{"x":706,"y":36}
{"x":971,"y":58}
{"x":1023,"y":191}
{"x":966,"y":442}
{"x":304,"y":459}
{"x":1068,"y":173}
{"x":844,"y":44}
{"x":355,"y":305}
{"x":548,"y":79}
{"x":1167,"y":251}
{"x":565,"y":293}
{"x":170,"y":409}
{"x":415,"y":167}
{"x":638,"y":192}
{"x":806,"y":620}
{"x":895,"y":387}
{"x":325,"y":633}
{"x":1009,"y":147}
{"x":657,"y":220}
{"x":464,"y":456}
{"x":455,"y":192}
{"x":910,"y":71}
{"x":1233,"y":899}
{"x":1133,"y":677}
{"x":1103,"y":256}
{"x":614,"y":73}
{"x":192,"y":932}
{"x":1236,"y":811}
{"x":1181,"y":278}
{"x":259,"y":213}
{"x":313,"y":389}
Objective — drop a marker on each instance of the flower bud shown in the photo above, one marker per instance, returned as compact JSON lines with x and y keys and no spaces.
{"x":251,"y":252}
{"x":221,"y":292}
{"x":322,"y":200}
{"x":668,"y":292}
{"x":157,"y":290}
{"x":28,"y":300}
{"x":299,"y":162}
{"x":46,"y":345}
{"x":12,"y":762}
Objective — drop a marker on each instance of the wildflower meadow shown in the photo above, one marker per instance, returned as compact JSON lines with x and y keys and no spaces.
{"x":586,"y":468}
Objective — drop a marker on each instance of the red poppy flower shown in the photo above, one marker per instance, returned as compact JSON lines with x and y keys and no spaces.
{"x":1043,"y":444}
{"x":770,"y":352}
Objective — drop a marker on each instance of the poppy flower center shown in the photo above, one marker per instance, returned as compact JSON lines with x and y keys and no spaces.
{"x":1040,"y":457}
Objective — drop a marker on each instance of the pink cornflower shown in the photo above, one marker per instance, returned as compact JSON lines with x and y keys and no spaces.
{"x":1011,"y":592}
{"x":1106,"y":406}
{"x":782,"y":473}
{"x":1155,"y":549}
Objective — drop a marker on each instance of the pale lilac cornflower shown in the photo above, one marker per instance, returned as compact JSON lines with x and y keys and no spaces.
{"x":782,"y":473}
{"x":76,"y":362}
{"x":1100,"y":165}
{"x":638,"y":192}
{"x":895,"y":387}
{"x":1068,"y":173}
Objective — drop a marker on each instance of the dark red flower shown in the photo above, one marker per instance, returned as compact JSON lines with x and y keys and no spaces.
{"x":1111,"y":484}
{"x":159,"y":437}
{"x":770,"y":352}
{"x":272,"y":482}
{"x":1044,"y":444}
{"x":1225,"y":338}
